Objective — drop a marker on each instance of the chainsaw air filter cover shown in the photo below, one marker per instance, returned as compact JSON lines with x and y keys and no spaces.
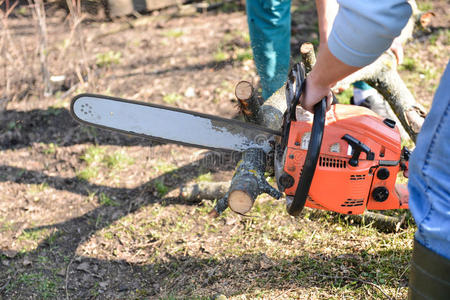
{"x":358,"y":163}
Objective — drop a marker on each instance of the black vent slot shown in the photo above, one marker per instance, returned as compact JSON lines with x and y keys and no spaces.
{"x":358,"y":177}
{"x":332,"y":162}
{"x":353,"y":202}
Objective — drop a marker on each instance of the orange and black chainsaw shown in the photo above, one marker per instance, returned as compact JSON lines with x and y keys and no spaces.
{"x":345,"y":160}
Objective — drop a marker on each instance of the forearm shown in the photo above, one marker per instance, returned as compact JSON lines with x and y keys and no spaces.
{"x":324,"y":75}
{"x":361,"y":32}
{"x":326,"y":12}
{"x":328,"y":69}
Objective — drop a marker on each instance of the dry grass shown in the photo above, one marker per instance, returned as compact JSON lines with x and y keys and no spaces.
{"x":119,"y":230}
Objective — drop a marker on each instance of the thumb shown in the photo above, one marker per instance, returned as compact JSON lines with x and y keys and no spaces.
{"x":330,"y":98}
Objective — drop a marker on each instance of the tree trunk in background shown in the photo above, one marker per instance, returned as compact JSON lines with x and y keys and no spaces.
{"x":117,"y":8}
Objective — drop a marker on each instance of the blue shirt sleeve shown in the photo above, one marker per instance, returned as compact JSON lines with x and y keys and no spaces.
{"x":364,"y":29}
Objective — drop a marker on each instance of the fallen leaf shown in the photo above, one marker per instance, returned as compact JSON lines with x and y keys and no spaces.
{"x":9,"y":253}
{"x":26,"y":261}
{"x":84,"y":266}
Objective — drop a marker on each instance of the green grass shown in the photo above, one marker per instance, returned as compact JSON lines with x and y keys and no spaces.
{"x":50,"y":148}
{"x":344,"y":97}
{"x":117,"y":160}
{"x":172,"y":98}
{"x":34,"y":235}
{"x":207,"y":177}
{"x":5,"y":224}
{"x":162,"y":166}
{"x":161,"y":188}
{"x":174,"y":33}
{"x":408,"y":64}
{"x":97,"y":158}
{"x":424,"y":5}
{"x":46,"y":287}
{"x":93,"y":154}
{"x":35,"y":189}
{"x":244,"y":54}
{"x":104,"y":199}
{"x":229,"y":7}
{"x":273,"y":251}
{"x":14,"y":125}
{"x":88,"y":173}
{"x":53,"y":111}
{"x":108,"y":58}
{"x":446,"y":37}
{"x":220,"y":56}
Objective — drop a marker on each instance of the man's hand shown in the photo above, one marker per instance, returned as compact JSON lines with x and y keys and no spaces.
{"x":326,"y":72}
{"x":314,"y":91}
{"x":397,"y":49}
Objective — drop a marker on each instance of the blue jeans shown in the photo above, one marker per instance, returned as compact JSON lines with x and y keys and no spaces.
{"x":429,"y":175}
{"x":269,"y":23}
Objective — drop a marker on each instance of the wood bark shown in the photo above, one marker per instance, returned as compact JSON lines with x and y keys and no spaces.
{"x":117,"y":8}
{"x":383,"y":76}
{"x":308,"y":56}
{"x":376,"y":220}
{"x":247,"y":183}
{"x":204,"y":190}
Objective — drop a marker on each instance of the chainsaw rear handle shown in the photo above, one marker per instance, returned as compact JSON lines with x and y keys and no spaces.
{"x":309,"y":167}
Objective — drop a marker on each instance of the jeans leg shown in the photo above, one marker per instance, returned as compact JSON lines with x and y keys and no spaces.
{"x":269,"y":23}
{"x":429,"y":180}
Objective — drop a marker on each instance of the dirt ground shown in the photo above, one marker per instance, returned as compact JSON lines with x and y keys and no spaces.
{"x":86,"y":213}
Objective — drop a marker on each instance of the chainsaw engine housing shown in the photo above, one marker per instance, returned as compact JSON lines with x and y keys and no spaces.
{"x":359,"y":160}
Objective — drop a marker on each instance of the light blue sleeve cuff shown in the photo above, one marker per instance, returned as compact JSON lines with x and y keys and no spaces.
{"x":363,"y":30}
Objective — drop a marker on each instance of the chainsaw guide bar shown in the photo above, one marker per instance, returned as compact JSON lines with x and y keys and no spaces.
{"x":168,"y":124}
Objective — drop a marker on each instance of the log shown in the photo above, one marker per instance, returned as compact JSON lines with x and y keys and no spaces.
{"x":308,"y":56}
{"x":118,"y":8}
{"x":377,"y":220}
{"x":204,"y":190}
{"x":383,"y":76}
{"x":247,"y":183}
{"x":248,"y":103}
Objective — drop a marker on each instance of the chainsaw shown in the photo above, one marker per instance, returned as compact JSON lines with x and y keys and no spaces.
{"x":345,"y":160}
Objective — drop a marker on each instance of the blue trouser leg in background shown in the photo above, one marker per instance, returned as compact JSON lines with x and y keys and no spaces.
{"x":429,"y":174}
{"x":269,"y":23}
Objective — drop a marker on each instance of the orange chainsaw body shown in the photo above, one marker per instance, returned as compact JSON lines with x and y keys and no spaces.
{"x":338,"y":185}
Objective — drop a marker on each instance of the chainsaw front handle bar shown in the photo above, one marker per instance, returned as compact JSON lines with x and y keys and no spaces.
{"x":312,"y":156}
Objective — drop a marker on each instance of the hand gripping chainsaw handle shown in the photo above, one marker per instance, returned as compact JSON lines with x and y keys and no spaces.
{"x":309,"y":168}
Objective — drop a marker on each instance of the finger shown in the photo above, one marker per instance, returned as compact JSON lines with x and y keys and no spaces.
{"x":329,"y":100}
{"x":400,"y":55}
{"x":397,"y":49}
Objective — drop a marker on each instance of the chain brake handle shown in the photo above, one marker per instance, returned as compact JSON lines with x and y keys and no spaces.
{"x":312,"y":156}
{"x":295,"y":86}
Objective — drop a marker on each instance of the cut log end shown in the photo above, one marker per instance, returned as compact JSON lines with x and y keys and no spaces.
{"x":240,"y":202}
{"x":247,"y":101}
{"x":244,"y":90}
{"x":308,"y":56}
{"x":306,"y":48}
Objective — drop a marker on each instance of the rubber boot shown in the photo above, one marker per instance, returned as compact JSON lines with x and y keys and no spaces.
{"x":429,"y":277}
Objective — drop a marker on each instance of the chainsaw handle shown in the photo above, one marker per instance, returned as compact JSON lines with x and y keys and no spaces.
{"x":312,"y":156}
